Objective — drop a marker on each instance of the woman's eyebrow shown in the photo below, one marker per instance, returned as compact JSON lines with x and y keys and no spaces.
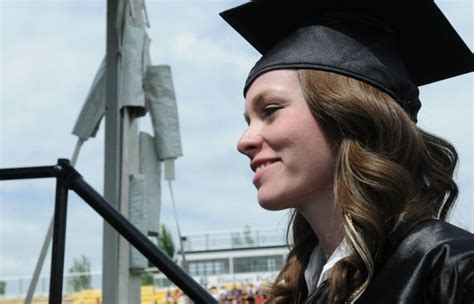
{"x":259,"y":98}
{"x":255,"y":103}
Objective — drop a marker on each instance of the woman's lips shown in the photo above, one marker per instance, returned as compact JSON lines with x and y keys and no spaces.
{"x":261,"y":171}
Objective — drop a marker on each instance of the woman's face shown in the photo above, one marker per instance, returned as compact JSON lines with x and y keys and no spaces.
{"x":292,"y":160}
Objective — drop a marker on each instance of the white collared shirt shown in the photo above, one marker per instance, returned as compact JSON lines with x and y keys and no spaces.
{"x":318,"y":269}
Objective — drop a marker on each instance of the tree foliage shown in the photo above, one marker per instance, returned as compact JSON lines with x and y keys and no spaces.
{"x":146,"y":278}
{"x":80,"y":274}
{"x":249,"y":240}
{"x":165,"y":241}
{"x":236,"y":240}
{"x":244,"y":239}
{"x":166,"y":244}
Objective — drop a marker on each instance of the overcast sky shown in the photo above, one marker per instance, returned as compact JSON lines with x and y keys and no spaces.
{"x":50,"y":51}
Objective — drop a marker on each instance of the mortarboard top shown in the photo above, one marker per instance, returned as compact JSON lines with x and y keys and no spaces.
{"x":394,"y":45}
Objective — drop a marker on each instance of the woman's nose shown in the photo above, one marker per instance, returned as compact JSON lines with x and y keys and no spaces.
{"x":249,"y":143}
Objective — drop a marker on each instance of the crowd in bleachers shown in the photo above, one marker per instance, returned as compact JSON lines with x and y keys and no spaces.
{"x":245,"y":295}
{"x":224,"y":295}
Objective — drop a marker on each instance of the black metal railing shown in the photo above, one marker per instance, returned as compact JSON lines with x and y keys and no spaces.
{"x":67,"y":178}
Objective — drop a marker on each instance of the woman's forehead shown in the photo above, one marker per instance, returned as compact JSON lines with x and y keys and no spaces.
{"x":272,"y":84}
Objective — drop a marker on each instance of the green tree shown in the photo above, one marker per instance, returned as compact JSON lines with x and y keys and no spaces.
{"x":236,"y":240}
{"x":249,"y":240}
{"x":80,"y":274}
{"x":166,"y":244}
{"x":2,"y":287}
{"x":165,"y":241}
{"x":146,"y":278}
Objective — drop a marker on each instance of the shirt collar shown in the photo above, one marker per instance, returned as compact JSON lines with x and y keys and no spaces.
{"x":318,"y":269}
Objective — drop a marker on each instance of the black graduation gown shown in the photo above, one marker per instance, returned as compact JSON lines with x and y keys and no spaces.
{"x":433,"y":263}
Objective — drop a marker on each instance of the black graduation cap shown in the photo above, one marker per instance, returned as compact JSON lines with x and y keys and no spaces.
{"x":394,"y":45}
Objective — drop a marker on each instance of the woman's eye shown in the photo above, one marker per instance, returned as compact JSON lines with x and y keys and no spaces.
{"x":268,"y":111}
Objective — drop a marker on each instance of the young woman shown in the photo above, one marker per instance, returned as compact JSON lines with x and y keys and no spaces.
{"x":331,"y":110}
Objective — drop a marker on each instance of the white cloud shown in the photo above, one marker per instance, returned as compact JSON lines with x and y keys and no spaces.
{"x":206,"y":53}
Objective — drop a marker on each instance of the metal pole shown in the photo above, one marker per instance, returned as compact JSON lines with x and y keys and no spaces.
{"x":130,"y":280}
{"x":75,"y":154}
{"x":110,"y":252}
{"x":59,"y":239}
{"x":183,"y":255}
{"x":39,"y":264}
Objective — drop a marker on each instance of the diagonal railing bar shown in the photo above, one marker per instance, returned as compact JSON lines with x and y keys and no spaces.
{"x":69,"y":178}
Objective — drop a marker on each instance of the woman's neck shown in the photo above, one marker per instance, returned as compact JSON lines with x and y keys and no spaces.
{"x":326,"y":220}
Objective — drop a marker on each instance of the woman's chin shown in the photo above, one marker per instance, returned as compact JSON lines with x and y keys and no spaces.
{"x":272,"y":204}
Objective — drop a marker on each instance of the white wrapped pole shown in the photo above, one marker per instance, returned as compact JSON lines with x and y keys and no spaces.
{"x":161,"y":102}
{"x":150,"y":168}
{"x":135,"y":58}
{"x":93,"y":109}
{"x":135,"y":47}
{"x":139,"y":13}
{"x":138,"y":215}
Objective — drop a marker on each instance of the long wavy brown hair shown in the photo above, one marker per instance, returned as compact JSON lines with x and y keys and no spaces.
{"x":389,"y":175}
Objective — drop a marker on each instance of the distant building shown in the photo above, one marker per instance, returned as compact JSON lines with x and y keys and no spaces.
{"x":231,"y":257}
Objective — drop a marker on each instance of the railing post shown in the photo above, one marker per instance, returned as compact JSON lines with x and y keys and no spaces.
{"x":59,"y":236}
